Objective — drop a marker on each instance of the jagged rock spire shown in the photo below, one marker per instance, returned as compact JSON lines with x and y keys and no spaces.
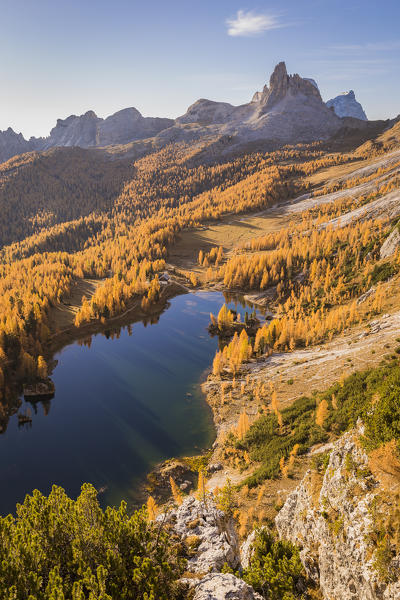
{"x":281,"y":84}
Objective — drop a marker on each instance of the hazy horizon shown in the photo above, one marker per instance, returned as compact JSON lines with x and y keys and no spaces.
{"x":67,"y":59}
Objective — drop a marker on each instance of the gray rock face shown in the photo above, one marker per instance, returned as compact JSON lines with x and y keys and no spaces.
{"x":246,"y":550}
{"x":333,"y":525}
{"x":87,"y":131}
{"x":214,"y":540}
{"x":390,"y":245}
{"x":366,"y":295}
{"x":346,"y":105}
{"x":314,"y":83}
{"x":213,"y":533}
{"x":221,"y":586}
{"x":257,"y":96}
{"x":206,"y":112}
{"x":12,"y":143}
{"x":74,"y":131}
{"x":288,"y":110}
{"x":282,"y":85}
{"x":127,"y":125}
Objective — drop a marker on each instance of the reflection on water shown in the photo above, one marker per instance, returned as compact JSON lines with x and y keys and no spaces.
{"x":124,"y":400}
{"x":238,"y":301}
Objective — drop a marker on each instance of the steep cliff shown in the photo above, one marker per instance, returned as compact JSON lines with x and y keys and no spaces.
{"x":282,"y":85}
{"x":347,"y":522}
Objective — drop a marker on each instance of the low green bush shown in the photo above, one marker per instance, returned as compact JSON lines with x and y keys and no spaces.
{"x":56,"y":548}
{"x":275,"y":569}
{"x":382,"y":272}
{"x":267,"y":443}
{"x":372,"y":395}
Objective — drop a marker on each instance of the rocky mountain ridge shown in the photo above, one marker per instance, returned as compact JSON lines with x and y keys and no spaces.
{"x":86,"y":131}
{"x":289,"y":109}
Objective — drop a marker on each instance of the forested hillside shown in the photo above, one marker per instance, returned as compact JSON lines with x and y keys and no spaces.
{"x":113,"y":221}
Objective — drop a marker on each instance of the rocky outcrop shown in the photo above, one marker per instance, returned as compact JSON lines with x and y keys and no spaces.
{"x":246,"y":550}
{"x":207,"y":532}
{"x":366,"y":295}
{"x":258,"y":95}
{"x":211,"y":541}
{"x":312,"y":81}
{"x":12,"y":143}
{"x":206,"y":112}
{"x":282,"y":85}
{"x":346,"y":105}
{"x":289,"y":109}
{"x":331,"y":518}
{"x":220,"y":586}
{"x":127,"y":125}
{"x":390,"y":245}
{"x":89,"y":130}
{"x":74,"y":131}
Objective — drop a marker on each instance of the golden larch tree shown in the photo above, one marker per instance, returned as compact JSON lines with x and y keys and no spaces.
{"x":176,"y":492}
{"x":151,"y":508}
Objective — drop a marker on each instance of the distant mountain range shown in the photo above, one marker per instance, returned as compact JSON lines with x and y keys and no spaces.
{"x":290,"y":109}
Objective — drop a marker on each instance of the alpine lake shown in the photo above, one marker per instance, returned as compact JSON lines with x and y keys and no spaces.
{"x":124,"y":401}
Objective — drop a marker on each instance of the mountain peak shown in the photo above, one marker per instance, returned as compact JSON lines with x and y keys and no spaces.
{"x":346,"y":105}
{"x":90,"y":114}
{"x":279,"y":75}
{"x":281,"y":85}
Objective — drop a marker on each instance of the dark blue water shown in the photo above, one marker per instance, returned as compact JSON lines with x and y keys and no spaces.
{"x":121,"y":405}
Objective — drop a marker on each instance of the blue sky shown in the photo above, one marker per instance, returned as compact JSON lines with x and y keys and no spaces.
{"x":62,"y":57}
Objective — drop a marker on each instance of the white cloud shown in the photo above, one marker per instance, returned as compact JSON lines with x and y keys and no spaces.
{"x":249,"y":23}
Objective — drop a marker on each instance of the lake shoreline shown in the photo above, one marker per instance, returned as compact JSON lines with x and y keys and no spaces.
{"x":176,"y":466}
{"x":193,"y":313}
{"x":131,"y":315}
{"x":155,"y":375}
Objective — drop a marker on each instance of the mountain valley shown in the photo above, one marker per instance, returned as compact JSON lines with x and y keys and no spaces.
{"x":280,"y":217}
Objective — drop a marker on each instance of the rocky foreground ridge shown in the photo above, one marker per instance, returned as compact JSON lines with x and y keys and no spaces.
{"x":335,"y":517}
{"x":337,"y":522}
{"x":289,"y":109}
{"x":211,"y":540}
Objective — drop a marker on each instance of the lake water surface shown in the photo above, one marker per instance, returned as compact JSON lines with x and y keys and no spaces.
{"x":121,"y":406}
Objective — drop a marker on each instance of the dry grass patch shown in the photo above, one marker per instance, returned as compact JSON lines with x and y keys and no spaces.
{"x":384,"y":464}
{"x":230,"y":233}
{"x":63,"y":315}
